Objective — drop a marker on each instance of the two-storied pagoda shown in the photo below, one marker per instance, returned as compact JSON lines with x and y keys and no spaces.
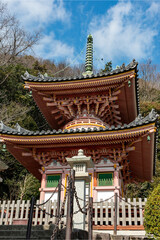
{"x":98,"y":113}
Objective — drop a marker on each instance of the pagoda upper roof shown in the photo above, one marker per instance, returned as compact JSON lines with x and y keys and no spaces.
{"x":139,"y":121}
{"x":44,"y":78}
{"x":114,"y":96}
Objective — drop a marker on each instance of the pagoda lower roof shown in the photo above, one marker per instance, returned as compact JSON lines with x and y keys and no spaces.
{"x":138,"y":122}
{"x":21,"y":143}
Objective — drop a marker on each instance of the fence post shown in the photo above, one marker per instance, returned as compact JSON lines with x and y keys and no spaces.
{"x":90,"y":218}
{"x":29,"y":226}
{"x":115,"y":215}
{"x":59,"y":197}
{"x":70,"y":205}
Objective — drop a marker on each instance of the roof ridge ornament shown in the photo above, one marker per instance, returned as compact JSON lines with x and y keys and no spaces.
{"x":21,"y":129}
{"x":152,"y":116}
{"x":89,"y":57}
{"x":26,"y":76}
{"x":40,"y":75}
{"x":4,"y":127}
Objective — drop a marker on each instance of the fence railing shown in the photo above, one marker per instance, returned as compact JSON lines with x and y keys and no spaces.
{"x":129,"y":212}
{"x":12,"y":211}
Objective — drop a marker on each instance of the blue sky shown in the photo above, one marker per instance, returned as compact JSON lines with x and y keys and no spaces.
{"x":122,"y":30}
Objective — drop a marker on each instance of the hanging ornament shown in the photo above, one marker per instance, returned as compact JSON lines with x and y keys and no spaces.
{"x":129,"y":83}
{"x":4,"y":148}
{"x":148,"y":138}
{"x":30,"y":93}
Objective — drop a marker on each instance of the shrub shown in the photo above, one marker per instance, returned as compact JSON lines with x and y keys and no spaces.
{"x":152,"y":214}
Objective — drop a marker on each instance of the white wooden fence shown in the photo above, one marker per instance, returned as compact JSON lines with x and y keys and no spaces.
{"x":129,"y":214}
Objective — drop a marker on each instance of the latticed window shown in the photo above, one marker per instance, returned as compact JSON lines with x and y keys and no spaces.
{"x":53,"y":180}
{"x":105,"y":179}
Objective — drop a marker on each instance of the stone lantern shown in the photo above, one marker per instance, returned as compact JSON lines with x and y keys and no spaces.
{"x":80,"y":164}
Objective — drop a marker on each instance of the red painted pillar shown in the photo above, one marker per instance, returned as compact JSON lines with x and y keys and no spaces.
{"x":43,"y":185}
{"x":116,"y":181}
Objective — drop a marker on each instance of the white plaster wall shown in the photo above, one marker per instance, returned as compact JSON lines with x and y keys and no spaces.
{"x":102,"y":195}
{"x":48,"y":194}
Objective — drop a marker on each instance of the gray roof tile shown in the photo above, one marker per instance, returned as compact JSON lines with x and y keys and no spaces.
{"x":139,"y":121}
{"x":42,"y":78}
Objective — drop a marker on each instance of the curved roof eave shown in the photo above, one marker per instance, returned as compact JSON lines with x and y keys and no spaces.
{"x":42,"y":78}
{"x":138,"y":122}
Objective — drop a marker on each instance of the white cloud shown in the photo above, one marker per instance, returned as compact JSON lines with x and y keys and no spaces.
{"x":124,"y":31}
{"x":154,"y":9}
{"x":36,"y":13}
{"x":50,"y":48}
{"x":41,"y":14}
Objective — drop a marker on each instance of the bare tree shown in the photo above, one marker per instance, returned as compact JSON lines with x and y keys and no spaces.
{"x":13,"y":112}
{"x":14,"y":40}
{"x":149,"y":81}
{"x":148,"y":72}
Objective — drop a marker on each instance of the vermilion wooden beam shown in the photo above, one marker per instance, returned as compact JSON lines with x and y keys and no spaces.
{"x":116,"y":93}
{"x":47,"y":99}
{"x":52,"y":104}
{"x":55,"y":111}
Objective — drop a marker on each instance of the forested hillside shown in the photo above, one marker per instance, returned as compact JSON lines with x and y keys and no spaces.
{"x":17,"y":106}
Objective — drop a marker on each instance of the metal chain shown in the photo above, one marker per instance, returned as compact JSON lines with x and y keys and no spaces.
{"x":85,"y":207}
{"x":81,"y":199}
{"x":104,"y":200}
{"x":37,"y":205}
{"x":55,"y":228}
{"x":63,"y":186}
{"x":43,"y":210}
{"x":60,"y":216}
{"x":64,"y":201}
{"x":77,"y":201}
{"x":130,"y":203}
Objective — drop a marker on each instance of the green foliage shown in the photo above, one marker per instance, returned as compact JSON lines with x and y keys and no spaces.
{"x":138,"y":190}
{"x":17,"y":106}
{"x":28,"y":186}
{"x":108,"y":67}
{"x":17,"y":182}
{"x":39,"y":67}
{"x":152,"y":214}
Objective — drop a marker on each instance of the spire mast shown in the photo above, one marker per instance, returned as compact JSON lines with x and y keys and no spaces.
{"x":89,"y":56}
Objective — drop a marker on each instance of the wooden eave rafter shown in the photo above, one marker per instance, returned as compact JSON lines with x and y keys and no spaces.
{"x":69,"y":107}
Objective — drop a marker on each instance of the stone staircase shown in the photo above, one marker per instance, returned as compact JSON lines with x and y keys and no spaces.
{"x":18,"y":232}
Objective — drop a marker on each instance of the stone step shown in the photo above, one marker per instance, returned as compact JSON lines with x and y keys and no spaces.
{"x":24,"y":238}
{"x":18,"y":232}
{"x":24,"y":227}
{"x":43,"y":233}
